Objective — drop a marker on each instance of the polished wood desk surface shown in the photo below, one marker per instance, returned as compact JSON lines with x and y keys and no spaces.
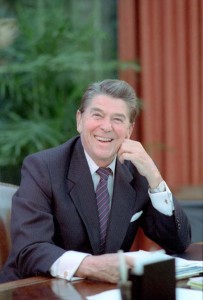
{"x":53,"y":288}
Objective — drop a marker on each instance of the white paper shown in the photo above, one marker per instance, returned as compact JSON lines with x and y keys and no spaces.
{"x":181,"y":294}
{"x":187,"y":294}
{"x":112,"y":294}
{"x":184,"y":268}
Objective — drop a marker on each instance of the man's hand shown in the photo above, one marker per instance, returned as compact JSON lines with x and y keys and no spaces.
{"x":134,"y":151}
{"x":103,"y":267}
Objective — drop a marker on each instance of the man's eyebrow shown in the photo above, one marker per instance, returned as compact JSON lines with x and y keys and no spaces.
{"x":120,"y":115}
{"x":93,"y":109}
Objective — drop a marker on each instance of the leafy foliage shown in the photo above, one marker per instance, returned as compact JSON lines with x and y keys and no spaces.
{"x":42,"y":77}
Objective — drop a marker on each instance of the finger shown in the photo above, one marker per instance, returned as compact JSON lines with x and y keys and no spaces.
{"x":126,"y":156}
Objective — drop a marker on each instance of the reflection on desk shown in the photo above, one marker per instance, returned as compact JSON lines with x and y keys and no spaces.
{"x":53,"y":288}
{"x":194,"y":252}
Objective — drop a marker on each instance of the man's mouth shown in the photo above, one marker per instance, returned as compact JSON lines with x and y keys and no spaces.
{"x":103,"y":139}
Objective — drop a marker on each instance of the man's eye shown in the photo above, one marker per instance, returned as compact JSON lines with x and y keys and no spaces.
{"x":97,"y":115}
{"x":118,"y":120}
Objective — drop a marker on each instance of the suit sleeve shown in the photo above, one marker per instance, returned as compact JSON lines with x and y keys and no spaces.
{"x":172,"y":233}
{"x":32,"y":224}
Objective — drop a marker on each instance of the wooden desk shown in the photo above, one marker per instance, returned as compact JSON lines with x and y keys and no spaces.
{"x":52,"y":288}
{"x":194,"y":252}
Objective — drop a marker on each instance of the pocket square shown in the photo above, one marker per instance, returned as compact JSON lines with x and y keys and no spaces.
{"x":136,"y":216}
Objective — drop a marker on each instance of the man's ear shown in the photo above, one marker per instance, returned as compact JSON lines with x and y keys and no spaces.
{"x":78,"y":121}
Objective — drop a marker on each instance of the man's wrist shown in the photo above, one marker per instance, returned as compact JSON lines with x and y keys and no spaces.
{"x":160,"y":188}
{"x":154,"y":179}
{"x":85,"y":267}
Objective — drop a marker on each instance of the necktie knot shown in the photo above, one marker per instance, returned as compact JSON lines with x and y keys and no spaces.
{"x":104,"y":173}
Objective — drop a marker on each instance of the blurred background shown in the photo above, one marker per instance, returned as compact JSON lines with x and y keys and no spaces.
{"x":50,"y":50}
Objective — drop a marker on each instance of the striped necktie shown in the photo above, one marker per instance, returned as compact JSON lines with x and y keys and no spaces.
{"x":103,"y":203}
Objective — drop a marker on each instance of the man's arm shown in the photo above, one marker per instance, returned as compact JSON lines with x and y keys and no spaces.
{"x":164,"y":221}
{"x":103,"y":267}
{"x":134,"y":151}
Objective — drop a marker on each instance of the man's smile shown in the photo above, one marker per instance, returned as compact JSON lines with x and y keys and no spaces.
{"x":103,"y":139}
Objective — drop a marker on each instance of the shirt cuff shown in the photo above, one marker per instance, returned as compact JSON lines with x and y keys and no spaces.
{"x":67,"y":264}
{"x":163,"y":201}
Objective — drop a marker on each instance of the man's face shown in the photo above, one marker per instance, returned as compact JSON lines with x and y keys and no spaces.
{"x":103,"y":126}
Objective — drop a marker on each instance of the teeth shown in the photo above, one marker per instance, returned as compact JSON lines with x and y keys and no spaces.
{"x":102,"y":139}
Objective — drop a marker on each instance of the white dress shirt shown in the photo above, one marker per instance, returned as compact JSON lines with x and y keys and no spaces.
{"x":67,"y":264}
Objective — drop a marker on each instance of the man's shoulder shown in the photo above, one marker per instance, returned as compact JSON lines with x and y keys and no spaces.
{"x":56,"y":152}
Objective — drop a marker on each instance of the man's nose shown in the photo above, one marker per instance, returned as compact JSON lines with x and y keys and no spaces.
{"x":106,"y":125}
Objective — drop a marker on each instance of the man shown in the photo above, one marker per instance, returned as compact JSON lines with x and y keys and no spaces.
{"x":56,"y":224}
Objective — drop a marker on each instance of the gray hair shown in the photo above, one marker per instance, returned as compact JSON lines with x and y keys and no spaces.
{"x":114,"y":88}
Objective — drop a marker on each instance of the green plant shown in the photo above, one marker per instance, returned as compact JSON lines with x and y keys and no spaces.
{"x":42,"y":77}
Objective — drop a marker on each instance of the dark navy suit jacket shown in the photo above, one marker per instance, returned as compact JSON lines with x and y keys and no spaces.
{"x":54,"y":210}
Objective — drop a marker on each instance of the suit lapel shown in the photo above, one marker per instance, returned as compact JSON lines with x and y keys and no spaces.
{"x":82,"y":193}
{"x":123,"y":203}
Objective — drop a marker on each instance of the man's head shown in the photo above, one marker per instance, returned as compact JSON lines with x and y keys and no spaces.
{"x":115,"y":88}
{"x":106,"y":118}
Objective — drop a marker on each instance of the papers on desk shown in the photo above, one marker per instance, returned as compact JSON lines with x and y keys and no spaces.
{"x":187,"y":294}
{"x":184,"y":268}
{"x":196,"y":283}
{"x":187,"y":268}
{"x":181,"y":294}
{"x":112,"y":294}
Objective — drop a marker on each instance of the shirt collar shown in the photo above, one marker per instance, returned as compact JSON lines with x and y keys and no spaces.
{"x":93,"y":167}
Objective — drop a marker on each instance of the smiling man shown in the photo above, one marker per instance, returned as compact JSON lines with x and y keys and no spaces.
{"x":103,"y":126}
{"x":80,"y":202}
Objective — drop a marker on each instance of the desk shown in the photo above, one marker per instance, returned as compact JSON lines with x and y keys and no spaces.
{"x":194,"y":252}
{"x":53,"y":288}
